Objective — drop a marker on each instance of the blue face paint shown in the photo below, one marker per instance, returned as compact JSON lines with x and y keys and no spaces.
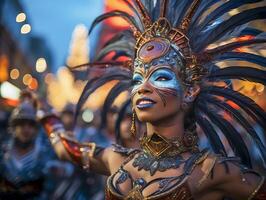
{"x":165,"y":78}
{"x":161,"y":78}
{"x":138,"y":80}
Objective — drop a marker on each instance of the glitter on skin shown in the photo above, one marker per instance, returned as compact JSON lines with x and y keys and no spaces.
{"x":163,"y":80}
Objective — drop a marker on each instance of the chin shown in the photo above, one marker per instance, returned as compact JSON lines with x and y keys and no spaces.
{"x":146,"y":116}
{"x":156,"y":115}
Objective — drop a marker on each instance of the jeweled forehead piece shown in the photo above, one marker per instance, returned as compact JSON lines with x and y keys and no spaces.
{"x":157,"y":41}
{"x":161,"y":44}
{"x":153,"y":49}
{"x":162,"y":34}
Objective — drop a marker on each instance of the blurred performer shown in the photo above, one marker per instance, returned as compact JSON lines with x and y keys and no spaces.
{"x":177,"y":86}
{"x":24,"y":158}
{"x":29,"y":167}
{"x":65,"y":182}
{"x":67,"y":117}
{"x":128,"y":140}
{"x":91,"y":183}
{"x":108,"y":119}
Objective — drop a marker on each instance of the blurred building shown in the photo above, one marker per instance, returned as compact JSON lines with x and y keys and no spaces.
{"x":75,"y":80}
{"x":24,"y":57}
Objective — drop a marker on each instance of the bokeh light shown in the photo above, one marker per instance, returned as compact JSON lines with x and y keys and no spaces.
{"x":9,"y":91}
{"x":21,"y":17}
{"x":14,"y":74}
{"x":33,"y":85}
{"x":41,"y":65}
{"x":25,"y":29}
{"x":87,"y":115}
{"x":27,"y":78}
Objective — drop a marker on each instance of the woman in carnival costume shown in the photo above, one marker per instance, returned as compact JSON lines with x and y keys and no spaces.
{"x":177,"y":86}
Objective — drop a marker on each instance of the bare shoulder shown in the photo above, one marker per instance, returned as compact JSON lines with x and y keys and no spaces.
{"x":201,"y":182}
{"x":116,"y":155}
{"x":225,"y":177}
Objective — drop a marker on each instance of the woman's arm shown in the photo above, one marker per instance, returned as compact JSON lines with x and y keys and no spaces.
{"x":232,"y":180}
{"x":221,"y":177}
{"x":241,"y":183}
{"x":88,"y":155}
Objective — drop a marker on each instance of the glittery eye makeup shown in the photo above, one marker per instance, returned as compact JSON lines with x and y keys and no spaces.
{"x":162,"y":78}
{"x":165,"y":78}
{"x":137,"y":81}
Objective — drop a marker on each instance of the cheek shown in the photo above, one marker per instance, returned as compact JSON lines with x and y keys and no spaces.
{"x":173,"y":102}
{"x":19,"y":130}
{"x":170,"y":97}
{"x":173,"y":85}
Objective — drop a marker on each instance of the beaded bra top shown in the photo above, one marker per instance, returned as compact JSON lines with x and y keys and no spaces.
{"x":173,"y":187}
{"x":179,"y":192}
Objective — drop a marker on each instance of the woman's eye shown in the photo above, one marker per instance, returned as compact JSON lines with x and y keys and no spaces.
{"x":162,"y":78}
{"x":136,"y":82}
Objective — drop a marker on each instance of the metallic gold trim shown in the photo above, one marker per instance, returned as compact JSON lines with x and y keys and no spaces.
{"x":54,"y":138}
{"x":159,"y":40}
{"x":87,"y":151}
{"x":186,"y":20}
{"x":162,"y":28}
{"x":155,"y":148}
{"x":157,"y":145}
{"x":257,"y":188}
{"x":144,"y":14}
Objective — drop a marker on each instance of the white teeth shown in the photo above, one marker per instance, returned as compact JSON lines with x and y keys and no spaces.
{"x":144,"y":102}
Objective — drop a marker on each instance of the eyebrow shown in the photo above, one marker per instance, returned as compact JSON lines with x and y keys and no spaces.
{"x":155,"y":68}
{"x":158,"y":68}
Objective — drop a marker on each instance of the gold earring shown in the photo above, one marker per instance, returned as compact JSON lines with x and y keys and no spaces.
{"x":133,"y":124}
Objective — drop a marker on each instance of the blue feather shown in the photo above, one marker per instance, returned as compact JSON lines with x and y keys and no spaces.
{"x":203,"y":39}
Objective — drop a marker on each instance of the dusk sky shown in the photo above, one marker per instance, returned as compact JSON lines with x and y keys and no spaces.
{"x":54,"y":20}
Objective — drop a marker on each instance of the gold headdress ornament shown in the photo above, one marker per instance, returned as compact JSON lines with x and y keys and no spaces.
{"x":162,"y":28}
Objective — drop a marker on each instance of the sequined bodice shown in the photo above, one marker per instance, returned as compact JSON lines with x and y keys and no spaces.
{"x":177,"y":192}
{"x":174,"y":187}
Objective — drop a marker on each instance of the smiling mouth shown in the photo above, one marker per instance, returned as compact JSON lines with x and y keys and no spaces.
{"x":145,"y":103}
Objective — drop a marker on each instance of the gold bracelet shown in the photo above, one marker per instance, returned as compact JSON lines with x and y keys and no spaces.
{"x":54,"y":138}
{"x":87,"y":151}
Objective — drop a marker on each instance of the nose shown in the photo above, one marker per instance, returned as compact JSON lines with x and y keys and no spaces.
{"x":145,"y":88}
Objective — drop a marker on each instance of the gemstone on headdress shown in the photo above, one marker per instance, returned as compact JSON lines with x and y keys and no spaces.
{"x":153,"y":49}
{"x":149,"y":48}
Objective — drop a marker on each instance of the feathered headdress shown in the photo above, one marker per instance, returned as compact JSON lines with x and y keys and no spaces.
{"x":192,"y":27}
